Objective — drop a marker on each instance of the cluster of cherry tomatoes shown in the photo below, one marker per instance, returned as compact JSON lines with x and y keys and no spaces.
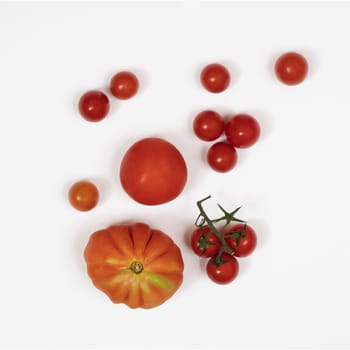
{"x":241,"y":130}
{"x":222,"y":245}
{"x":94,"y":105}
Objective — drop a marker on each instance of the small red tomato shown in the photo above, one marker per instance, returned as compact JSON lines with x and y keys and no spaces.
{"x":242,"y":130}
{"x":224,"y":273}
{"x":247,"y":243}
{"x":204,"y":242}
{"x":124,"y":85}
{"x":83,"y":195}
{"x":208,"y":125}
{"x":215,"y":77}
{"x":291,"y":68}
{"x":94,"y":106}
{"x":222,"y":157}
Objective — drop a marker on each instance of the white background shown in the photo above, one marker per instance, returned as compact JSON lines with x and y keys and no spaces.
{"x":293,"y":184}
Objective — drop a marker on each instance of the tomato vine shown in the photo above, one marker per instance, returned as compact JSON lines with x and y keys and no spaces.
{"x":203,"y":220}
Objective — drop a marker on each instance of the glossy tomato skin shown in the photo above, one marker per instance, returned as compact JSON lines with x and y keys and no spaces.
{"x":215,"y":77}
{"x":134,"y":264}
{"x":124,"y":85}
{"x":204,"y":242}
{"x":242,"y":130}
{"x":94,"y":106}
{"x":83,"y":195}
{"x":222,"y":157}
{"x":291,"y":68}
{"x":153,"y":171}
{"x":247,"y":243}
{"x":208,"y":125}
{"x":224,"y":273}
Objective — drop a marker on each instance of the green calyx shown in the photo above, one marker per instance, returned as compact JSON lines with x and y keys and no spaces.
{"x":228,"y":217}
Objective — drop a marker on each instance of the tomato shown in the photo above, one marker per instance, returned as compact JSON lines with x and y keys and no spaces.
{"x":134,"y":264}
{"x":204,"y":242}
{"x":94,"y":105}
{"x":215,"y":77}
{"x":124,"y":85}
{"x":226,"y":272}
{"x":153,"y":171}
{"x":83,"y":195}
{"x":247,"y":243}
{"x":222,"y":157}
{"x":208,"y":125}
{"x":291,"y":68}
{"x":242,"y":130}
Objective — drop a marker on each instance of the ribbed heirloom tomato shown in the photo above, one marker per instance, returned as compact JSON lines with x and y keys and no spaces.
{"x":134,"y":264}
{"x":153,"y":171}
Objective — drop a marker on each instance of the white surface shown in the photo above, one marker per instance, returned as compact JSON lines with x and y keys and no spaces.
{"x":293,"y":185}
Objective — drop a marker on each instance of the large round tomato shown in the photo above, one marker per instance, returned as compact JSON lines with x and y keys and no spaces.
{"x":153,"y":171}
{"x":134,"y":264}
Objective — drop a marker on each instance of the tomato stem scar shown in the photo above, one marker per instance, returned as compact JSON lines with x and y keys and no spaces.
{"x":136,"y":267}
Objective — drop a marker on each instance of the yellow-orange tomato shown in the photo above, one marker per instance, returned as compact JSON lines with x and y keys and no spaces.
{"x":83,"y":195}
{"x":134,"y":264}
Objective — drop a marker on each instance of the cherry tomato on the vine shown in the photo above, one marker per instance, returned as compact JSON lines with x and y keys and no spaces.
{"x":247,"y":243}
{"x":242,"y":130}
{"x":83,"y":195}
{"x":291,"y":68}
{"x":215,"y":77}
{"x":124,"y":85}
{"x":224,"y":273}
{"x":94,"y":105}
{"x":204,"y":242}
{"x":222,"y":157}
{"x":208,"y":125}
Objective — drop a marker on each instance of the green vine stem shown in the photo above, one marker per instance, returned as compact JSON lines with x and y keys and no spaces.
{"x":203,"y":220}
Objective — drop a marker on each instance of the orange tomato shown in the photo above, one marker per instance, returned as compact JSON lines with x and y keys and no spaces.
{"x":134,"y":264}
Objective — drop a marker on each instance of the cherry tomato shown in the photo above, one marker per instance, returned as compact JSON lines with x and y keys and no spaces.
{"x":224,"y":273}
{"x":94,"y":106}
{"x":124,"y":85}
{"x":242,"y":130}
{"x":204,"y":242}
{"x":215,"y":77}
{"x":153,"y":171}
{"x":83,"y":195}
{"x":222,"y":157}
{"x":291,"y":68}
{"x":247,"y":242}
{"x":208,"y":125}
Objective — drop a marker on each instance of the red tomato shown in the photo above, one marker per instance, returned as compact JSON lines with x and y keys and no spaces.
{"x":247,"y":243}
{"x":83,"y":195}
{"x":124,"y":85}
{"x":242,"y":130}
{"x":208,"y":125}
{"x":153,"y":171}
{"x":204,"y":242}
{"x":134,"y":264}
{"x":222,"y":157}
{"x":94,"y":106}
{"x":215,"y":77}
{"x":291,"y":68}
{"x":224,"y":273}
